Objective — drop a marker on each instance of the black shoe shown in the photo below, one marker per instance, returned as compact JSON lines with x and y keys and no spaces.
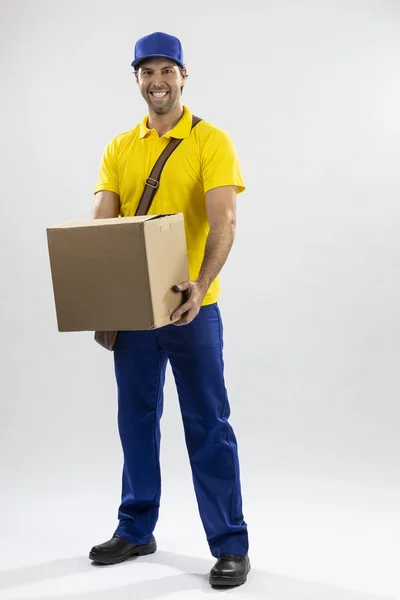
{"x":230,"y":570}
{"x":117,"y":550}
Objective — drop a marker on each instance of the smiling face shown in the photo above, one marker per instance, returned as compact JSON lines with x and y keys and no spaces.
{"x":160,"y":82}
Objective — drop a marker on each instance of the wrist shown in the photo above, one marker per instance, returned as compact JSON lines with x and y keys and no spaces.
{"x":203,"y":285}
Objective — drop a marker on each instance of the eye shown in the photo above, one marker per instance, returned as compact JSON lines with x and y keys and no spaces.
{"x":168,"y":71}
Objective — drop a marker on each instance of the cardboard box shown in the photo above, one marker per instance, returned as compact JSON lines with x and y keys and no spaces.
{"x":117,"y":274}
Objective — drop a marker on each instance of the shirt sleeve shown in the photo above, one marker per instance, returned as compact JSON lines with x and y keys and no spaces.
{"x":108,"y":175}
{"x":220,"y":163}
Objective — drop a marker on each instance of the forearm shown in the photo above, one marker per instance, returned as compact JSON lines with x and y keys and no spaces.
{"x":219,"y":243}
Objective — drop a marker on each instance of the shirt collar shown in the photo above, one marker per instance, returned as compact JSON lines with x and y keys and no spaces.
{"x":181,"y":130}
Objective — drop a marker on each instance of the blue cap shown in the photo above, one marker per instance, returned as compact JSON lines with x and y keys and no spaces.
{"x":158,"y":45}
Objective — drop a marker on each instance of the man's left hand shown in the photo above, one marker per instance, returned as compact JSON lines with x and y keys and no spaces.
{"x":195,"y":293}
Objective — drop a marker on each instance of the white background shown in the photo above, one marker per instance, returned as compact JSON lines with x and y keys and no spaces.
{"x":310,"y":94}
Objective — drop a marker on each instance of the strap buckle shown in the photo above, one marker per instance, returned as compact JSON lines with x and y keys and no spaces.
{"x":152,"y":182}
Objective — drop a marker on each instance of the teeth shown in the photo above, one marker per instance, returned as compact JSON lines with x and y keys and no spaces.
{"x":159,"y":94}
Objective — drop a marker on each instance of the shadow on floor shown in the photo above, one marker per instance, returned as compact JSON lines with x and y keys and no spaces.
{"x":194,"y":577}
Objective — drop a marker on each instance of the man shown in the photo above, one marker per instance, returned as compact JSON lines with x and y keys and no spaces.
{"x":200,"y":179}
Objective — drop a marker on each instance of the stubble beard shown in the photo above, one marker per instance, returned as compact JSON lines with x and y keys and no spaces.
{"x":161,"y":110}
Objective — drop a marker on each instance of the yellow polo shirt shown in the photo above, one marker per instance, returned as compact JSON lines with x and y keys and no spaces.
{"x":206,"y":159}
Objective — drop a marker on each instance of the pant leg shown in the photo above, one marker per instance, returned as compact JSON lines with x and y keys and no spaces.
{"x":140,"y":366}
{"x":195,"y":352}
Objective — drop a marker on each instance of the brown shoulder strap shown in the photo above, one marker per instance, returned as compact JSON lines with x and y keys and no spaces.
{"x":153,"y":181}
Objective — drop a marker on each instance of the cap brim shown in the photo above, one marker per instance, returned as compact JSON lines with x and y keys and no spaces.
{"x":139,"y":60}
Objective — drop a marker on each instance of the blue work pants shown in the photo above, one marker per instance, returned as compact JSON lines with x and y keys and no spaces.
{"x":195,"y":352}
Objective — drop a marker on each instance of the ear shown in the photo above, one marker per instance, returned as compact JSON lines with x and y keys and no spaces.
{"x":184,"y":75}
{"x":136,"y":76}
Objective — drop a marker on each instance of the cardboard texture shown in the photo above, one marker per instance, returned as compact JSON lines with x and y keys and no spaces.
{"x":117,"y":274}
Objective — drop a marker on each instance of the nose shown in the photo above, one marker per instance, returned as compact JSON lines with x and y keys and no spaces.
{"x":158,"y":79}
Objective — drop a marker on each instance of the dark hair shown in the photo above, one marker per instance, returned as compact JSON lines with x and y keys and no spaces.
{"x":136,"y":69}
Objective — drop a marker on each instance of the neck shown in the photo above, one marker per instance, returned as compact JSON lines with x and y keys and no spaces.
{"x":164,"y":123}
